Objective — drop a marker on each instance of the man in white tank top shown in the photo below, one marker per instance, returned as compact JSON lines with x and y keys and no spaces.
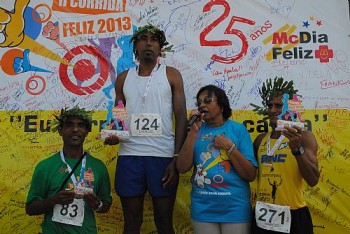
{"x":153,"y":94}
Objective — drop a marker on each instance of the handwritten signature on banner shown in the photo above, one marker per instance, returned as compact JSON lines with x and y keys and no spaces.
{"x":226,"y":37}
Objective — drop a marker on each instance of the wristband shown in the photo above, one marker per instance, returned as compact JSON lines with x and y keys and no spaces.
{"x":299,"y":151}
{"x":99,"y":208}
{"x":175,"y":155}
{"x":231,"y":148}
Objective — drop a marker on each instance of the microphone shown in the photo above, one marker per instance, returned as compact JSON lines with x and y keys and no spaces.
{"x":194,"y":118}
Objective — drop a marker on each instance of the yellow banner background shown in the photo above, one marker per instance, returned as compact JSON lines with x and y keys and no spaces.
{"x":25,"y":142}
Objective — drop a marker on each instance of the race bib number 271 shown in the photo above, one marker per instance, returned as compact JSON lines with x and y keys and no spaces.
{"x":273,"y":217}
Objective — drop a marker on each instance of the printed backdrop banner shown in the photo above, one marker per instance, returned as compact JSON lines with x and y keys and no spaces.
{"x":62,"y":53}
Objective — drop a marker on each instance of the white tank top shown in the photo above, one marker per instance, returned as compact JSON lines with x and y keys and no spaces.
{"x":157,"y":101}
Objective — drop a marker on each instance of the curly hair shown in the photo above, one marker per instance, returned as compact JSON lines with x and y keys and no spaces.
{"x":221,"y":96}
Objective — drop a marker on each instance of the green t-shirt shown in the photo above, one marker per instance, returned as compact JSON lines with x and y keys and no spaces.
{"x":47,"y":179}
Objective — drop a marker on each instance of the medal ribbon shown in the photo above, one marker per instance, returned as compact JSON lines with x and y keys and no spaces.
{"x":82,"y":170}
{"x":270,"y":152}
{"x":145,"y":93}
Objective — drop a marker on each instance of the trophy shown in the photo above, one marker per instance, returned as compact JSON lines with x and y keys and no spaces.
{"x":290,"y":109}
{"x":116,"y":115}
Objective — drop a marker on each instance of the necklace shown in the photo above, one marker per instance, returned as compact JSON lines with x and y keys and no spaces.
{"x":148,"y":84}
{"x":270,"y":152}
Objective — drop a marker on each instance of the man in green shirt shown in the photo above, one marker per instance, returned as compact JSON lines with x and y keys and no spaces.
{"x":69,"y":186}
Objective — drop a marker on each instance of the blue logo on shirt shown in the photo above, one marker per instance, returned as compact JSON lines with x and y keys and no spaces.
{"x":274,"y":158}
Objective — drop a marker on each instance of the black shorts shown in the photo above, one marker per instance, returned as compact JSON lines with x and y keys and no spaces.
{"x":301,"y":223}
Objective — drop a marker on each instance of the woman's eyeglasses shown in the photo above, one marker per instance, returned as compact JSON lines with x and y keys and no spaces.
{"x":206,"y":101}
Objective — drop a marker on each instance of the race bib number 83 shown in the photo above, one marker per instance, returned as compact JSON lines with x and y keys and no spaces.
{"x":273,"y":217}
{"x":72,"y":214}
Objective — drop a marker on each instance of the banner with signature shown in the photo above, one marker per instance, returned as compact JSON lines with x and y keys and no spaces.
{"x":59,"y":53}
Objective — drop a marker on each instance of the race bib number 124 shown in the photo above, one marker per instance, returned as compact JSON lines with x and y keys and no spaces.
{"x":146,"y":125}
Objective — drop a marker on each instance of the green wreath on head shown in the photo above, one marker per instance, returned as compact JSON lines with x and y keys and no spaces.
{"x":65,"y":113}
{"x":270,"y":90}
{"x":155,"y":31}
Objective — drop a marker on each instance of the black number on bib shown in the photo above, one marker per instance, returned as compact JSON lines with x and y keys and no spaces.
{"x":75,"y":208}
{"x":261,"y":217}
{"x":64,"y":209}
{"x":282,"y":215}
{"x":154,"y":124}
{"x":146,"y":124}
{"x":273,"y":212}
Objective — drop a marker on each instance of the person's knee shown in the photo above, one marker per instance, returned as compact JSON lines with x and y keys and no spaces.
{"x":134,"y":219}
{"x":163,"y":214}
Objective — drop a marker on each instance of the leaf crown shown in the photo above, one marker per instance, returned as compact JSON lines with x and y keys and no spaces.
{"x":155,"y":31}
{"x":271,"y":89}
{"x":59,"y":120}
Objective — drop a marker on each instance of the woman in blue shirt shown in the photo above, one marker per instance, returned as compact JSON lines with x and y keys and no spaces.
{"x":221,"y":153}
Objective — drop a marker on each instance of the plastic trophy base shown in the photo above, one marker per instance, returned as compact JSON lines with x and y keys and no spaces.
{"x":123,"y":135}
{"x":81,"y":191}
{"x":283,"y":123}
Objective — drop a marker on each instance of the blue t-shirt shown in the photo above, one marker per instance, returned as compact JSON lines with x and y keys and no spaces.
{"x":218,"y":193}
